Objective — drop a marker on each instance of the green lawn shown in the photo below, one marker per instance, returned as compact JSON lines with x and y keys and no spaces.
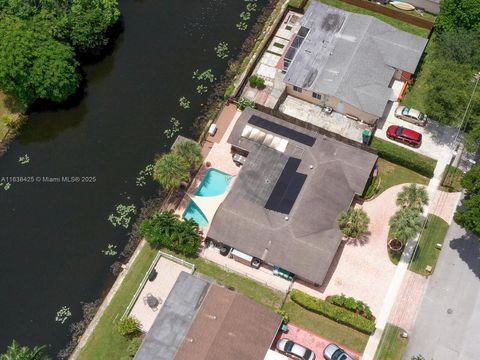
{"x":392,"y":346}
{"x":399,"y":24}
{"x":105,"y":342}
{"x":453,"y":178}
{"x":425,"y":15}
{"x":390,"y":174}
{"x":296,"y":3}
{"x":325,"y":327}
{"x":426,"y":253}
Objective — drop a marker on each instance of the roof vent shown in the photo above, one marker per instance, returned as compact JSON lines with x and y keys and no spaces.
{"x":190,"y":340}
{"x":213,"y":317}
{"x":311,"y":166}
{"x":286,"y":218}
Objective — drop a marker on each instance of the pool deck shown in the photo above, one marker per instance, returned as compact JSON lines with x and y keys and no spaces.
{"x":217,"y":153}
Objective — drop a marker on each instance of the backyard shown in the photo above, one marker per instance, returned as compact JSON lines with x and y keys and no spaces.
{"x":392,"y":345}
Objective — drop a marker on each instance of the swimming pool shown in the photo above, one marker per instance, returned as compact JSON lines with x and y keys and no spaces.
{"x":214,"y":183}
{"x":193,"y":212}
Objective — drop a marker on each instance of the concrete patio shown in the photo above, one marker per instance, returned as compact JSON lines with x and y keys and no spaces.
{"x":167,"y":274}
{"x":313,"y":114}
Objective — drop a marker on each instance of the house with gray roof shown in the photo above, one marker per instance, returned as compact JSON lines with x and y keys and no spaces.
{"x":284,"y":203}
{"x":349,"y":61}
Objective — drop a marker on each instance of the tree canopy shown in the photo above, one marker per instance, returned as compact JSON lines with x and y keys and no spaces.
{"x":468,"y":216}
{"x":405,"y":224}
{"x":167,"y":230}
{"x":17,"y":352}
{"x":413,"y":196}
{"x":190,"y":151}
{"x":39,"y":39}
{"x":458,"y":14}
{"x":170,"y":170}
{"x":353,"y":222}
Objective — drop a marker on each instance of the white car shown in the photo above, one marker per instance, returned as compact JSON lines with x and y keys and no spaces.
{"x":294,"y":350}
{"x":411,"y":115}
{"x":333,"y":352}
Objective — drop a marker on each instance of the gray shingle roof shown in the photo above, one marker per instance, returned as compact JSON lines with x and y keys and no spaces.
{"x":306,"y":243}
{"x":352,"y":57}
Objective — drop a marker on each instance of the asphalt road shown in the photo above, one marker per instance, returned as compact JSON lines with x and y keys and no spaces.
{"x":448,"y":322}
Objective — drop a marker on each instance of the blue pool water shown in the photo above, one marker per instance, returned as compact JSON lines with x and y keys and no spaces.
{"x":213,"y":183}
{"x":193,"y":212}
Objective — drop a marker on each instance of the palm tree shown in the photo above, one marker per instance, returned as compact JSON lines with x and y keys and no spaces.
{"x":405,"y":224}
{"x":17,"y":352}
{"x":190,"y":151}
{"x":353,"y":222}
{"x":413,"y":196}
{"x":170,"y":170}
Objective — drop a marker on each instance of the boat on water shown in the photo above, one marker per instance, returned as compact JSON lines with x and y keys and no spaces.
{"x":402,"y":5}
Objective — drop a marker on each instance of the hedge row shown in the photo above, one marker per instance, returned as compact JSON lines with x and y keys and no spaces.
{"x":336,"y":313}
{"x":349,"y":303}
{"x":404,"y":157}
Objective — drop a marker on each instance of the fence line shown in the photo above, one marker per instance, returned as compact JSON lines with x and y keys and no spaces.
{"x":145,"y":278}
{"x":414,"y":20}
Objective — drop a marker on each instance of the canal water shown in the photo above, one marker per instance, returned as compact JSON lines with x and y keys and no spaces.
{"x":52,"y":233}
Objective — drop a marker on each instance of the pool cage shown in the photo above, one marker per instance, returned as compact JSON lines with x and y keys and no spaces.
{"x":294,"y":47}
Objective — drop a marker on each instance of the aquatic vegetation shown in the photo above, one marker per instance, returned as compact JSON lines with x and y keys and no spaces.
{"x":242,"y":25}
{"x":5,"y":185}
{"x":122,"y":216}
{"x":25,"y":159}
{"x":63,"y":314}
{"x":251,"y":7}
{"x":245,"y":15}
{"x":205,"y":75}
{"x":222,"y":50}
{"x":184,"y":102}
{"x":111,"y":250}
{"x":202,"y":89}
{"x":141,"y":178}
{"x":174,"y":128}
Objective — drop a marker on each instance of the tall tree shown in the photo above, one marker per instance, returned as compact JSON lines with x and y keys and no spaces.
{"x":458,"y":14}
{"x":413,"y":196}
{"x":33,"y":64}
{"x":170,"y":170}
{"x":353,"y":222}
{"x":468,"y":216}
{"x":405,"y":224}
{"x":190,"y":151}
{"x":89,"y":21}
{"x":17,"y":352}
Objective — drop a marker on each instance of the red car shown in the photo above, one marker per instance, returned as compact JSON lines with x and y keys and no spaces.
{"x":404,"y":135}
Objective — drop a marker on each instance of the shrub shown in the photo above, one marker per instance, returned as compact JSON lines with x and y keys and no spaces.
{"x":336,"y":313}
{"x":133,"y":346}
{"x":404,"y":157}
{"x":167,"y":230}
{"x":244,"y":103}
{"x":405,"y":224}
{"x":128,"y":326}
{"x":256,"y":81}
{"x":284,"y":315}
{"x":353,"y":222}
{"x":351,"y":304}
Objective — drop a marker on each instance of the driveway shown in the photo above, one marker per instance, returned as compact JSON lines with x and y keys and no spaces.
{"x":312,"y":341}
{"x":447,"y":325}
{"x":437,"y":139}
{"x":362,"y":268}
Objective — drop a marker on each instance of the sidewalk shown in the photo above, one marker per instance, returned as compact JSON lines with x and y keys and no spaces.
{"x":402,"y":268}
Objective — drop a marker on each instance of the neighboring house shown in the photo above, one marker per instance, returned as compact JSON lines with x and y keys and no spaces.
{"x":349,"y":61}
{"x":284,"y":204}
{"x":203,"y":321}
{"x":431,"y":6}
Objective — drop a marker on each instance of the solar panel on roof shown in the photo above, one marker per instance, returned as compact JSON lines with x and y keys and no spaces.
{"x":287,"y":188}
{"x":282,"y":130}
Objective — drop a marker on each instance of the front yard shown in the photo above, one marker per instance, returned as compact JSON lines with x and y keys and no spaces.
{"x":392,"y":345}
{"x":325,"y":327}
{"x":427,"y":254}
{"x":390,"y":174}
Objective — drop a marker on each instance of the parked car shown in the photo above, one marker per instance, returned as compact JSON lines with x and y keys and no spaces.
{"x":334,"y":352}
{"x":411,"y":115}
{"x":294,"y":350}
{"x":404,"y":135}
